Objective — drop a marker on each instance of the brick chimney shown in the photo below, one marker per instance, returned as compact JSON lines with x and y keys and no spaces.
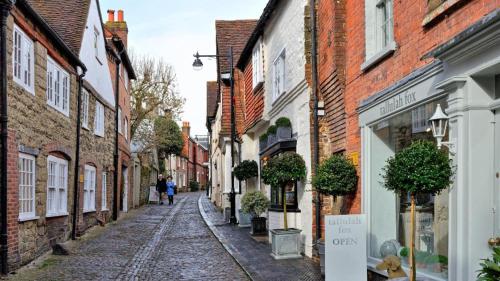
{"x":186,"y":129}
{"x":118,"y":26}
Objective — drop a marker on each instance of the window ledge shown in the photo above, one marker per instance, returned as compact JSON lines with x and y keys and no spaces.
{"x":89,"y":211}
{"x":30,"y":218}
{"x":388,"y":50}
{"x":445,"y":7}
{"x":105,"y":210}
{"x":54,"y":215}
{"x":86,"y":127}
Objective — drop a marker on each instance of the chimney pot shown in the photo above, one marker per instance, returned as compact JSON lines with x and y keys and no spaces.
{"x":120,"y":15}
{"x":111,"y":15}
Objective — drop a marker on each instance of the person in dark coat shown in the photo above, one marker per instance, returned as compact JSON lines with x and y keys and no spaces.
{"x":161,"y":188}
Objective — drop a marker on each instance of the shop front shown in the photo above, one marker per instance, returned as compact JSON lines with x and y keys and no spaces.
{"x":452,"y":228}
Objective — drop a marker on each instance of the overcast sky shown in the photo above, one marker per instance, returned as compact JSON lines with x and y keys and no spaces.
{"x":174,"y":30}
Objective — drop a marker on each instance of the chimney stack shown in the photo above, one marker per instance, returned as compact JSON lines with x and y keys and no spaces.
{"x":120,"y":15}
{"x":117,"y":26}
{"x":186,"y":129}
{"x":111,"y":15}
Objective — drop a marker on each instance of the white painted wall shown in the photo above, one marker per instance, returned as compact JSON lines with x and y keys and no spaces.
{"x":294,"y":104}
{"x":97,"y":67}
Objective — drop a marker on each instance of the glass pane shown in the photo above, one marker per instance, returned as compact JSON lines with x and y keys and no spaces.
{"x":390,"y":214}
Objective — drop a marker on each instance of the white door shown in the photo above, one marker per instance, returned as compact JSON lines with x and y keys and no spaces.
{"x":125,"y":190}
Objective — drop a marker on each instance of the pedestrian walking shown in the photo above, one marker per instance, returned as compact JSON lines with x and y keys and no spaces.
{"x":161,"y":188}
{"x":170,"y":190}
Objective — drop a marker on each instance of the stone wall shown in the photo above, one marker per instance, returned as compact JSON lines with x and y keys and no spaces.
{"x":38,"y":129}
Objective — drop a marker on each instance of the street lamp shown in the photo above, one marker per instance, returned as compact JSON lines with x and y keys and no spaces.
{"x":439,"y":122}
{"x":198,"y":65}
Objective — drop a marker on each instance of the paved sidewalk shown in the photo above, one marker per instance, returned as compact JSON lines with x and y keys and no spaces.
{"x":255,"y":256}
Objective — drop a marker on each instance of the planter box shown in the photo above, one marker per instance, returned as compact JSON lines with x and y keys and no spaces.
{"x":245,"y":219}
{"x":285,"y":243}
{"x":258,"y":226}
{"x":271,"y":139}
{"x":262,"y":144}
{"x":284,"y":133}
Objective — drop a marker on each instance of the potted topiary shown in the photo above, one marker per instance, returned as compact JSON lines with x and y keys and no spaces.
{"x":271,"y":135}
{"x":194,"y":186}
{"x":281,"y":171}
{"x":284,"y":128}
{"x":490,"y":268}
{"x":263,"y":141}
{"x":247,"y":169}
{"x":336,"y":176}
{"x":255,"y":203}
{"x":420,"y":168}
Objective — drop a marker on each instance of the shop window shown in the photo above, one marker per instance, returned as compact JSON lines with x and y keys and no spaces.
{"x":278,"y":193}
{"x":390,"y":213}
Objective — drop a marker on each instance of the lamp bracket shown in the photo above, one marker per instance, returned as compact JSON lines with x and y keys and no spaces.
{"x":452,"y":148}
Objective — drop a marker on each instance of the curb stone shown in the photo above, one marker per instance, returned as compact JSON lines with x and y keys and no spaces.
{"x":221,"y":238}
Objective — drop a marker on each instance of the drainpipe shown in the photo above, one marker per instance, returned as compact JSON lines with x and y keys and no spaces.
{"x":5,"y":7}
{"x":77,"y":156}
{"x":117,"y":123}
{"x":314,"y":67}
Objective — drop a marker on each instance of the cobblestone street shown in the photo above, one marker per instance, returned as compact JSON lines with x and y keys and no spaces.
{"x":152,"y":243}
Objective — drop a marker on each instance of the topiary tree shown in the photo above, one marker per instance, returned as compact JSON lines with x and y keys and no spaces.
{"x":272,"y":130}
{"x":246,"y":170}
{"x":283,"y":122}
{"x":254,"y":203}
{"x":282,"y":170}
{"x":336,"y":176}
{"x":417,"y":169}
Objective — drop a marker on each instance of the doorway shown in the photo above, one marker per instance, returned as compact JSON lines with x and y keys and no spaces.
{"x":125,"y":189}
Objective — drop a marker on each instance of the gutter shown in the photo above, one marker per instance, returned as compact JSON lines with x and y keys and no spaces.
{"x":5,"y":7}
{"x":314,"y":69}
{"x":77,"y":157}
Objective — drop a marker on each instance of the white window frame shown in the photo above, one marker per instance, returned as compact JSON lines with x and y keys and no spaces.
{"x":120,"y":120}
{"x":23,"y":60}
{"x":257,"y":65}
{"x":279,"y":75}
{"x":58,"y":87}
{"x":104,"y":188}
{"x":99,"y":119}
{"x":85,"y":109}
{"x":379,"y":31}
{"x":27,"y":186}
{"x":89,"y":184}
{"x":57,"y":202}
{"x":97,"y":51}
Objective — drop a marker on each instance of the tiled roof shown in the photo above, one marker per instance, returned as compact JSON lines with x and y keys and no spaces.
{"x":232,"y":33}
{"x":212,"y":91}
{"x":67,"y":17}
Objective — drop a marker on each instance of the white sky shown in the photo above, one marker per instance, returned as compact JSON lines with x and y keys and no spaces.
{"x":175,"y":30}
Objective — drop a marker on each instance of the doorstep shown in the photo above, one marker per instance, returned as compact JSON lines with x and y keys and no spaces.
{"x":253,"y":254}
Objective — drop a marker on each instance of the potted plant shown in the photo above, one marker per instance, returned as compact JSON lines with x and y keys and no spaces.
{"x":336,"y":176}
{"x":283,"y":128}
{"x":255,"y":203}
{"x":263,"y":141}
{"x":247,"y":169}
{"x":437,"y":263}
{"x":194,"y":186}
{"x":271,"y":135}
{"x":420,"y":168}
{"x":490,"y":268}
{"x":281,"y":171}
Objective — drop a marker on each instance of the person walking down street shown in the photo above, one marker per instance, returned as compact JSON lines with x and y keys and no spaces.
{"x":161,"y":188}
{"x":170,"y":190}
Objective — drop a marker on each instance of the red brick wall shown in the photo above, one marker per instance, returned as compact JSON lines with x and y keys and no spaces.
{"x":13,"y":200}
{"x":413,"y":40}
{"x":254,"y":98}
{"x":239,"y":91}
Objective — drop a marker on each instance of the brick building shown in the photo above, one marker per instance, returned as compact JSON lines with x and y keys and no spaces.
{"x":403,"y":58}
{"x":228,"y":34}
{"x":194,"y":158}
{"x":116,"y":32}
{"x":42,"y":86}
